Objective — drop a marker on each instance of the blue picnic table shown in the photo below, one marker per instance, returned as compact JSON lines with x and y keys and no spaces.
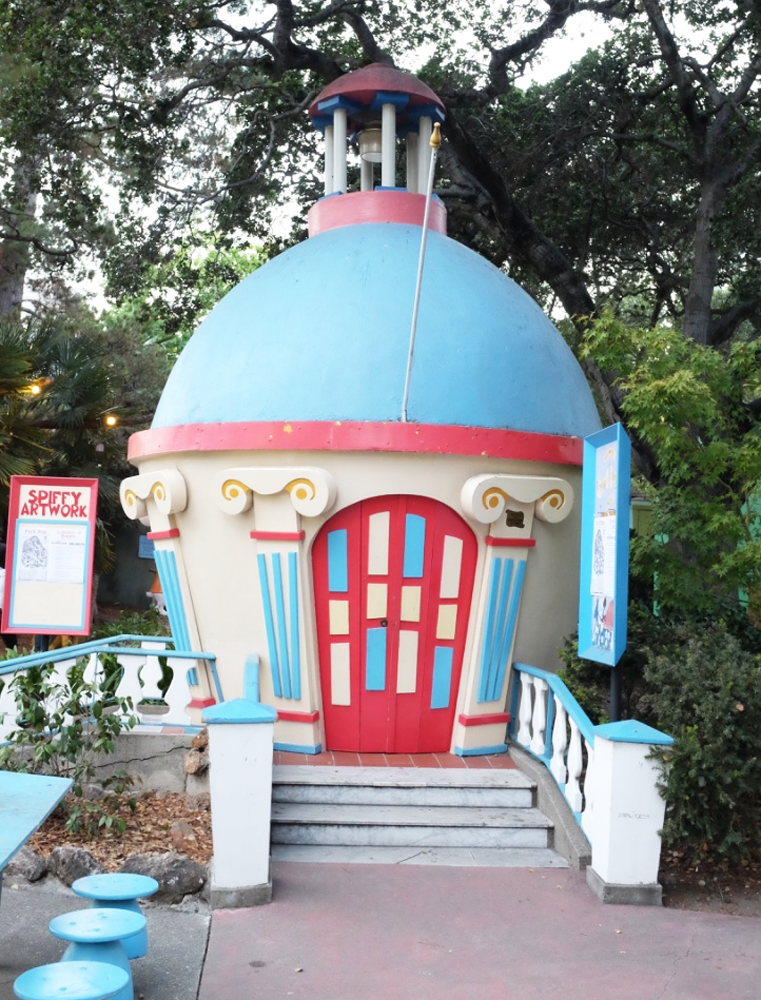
{"x":26,"y":801}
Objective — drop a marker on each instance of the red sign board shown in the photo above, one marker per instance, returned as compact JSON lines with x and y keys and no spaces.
{"x":49,"y":556}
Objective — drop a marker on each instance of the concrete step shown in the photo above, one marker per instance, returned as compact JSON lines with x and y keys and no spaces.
{"x":408,"y":826}
{"x":402,"y":786}
{"x":460,"y":857}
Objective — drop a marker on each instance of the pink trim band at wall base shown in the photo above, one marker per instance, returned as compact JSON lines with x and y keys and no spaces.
{"x":278,"y":536}
{"x":484,"y":720}
{"x":514,"y":543}
{"x":297,"y":716}
{"x":353,"y":435}
{"x":202,"y":702}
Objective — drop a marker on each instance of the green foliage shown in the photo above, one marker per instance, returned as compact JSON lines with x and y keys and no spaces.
{"x":65,"y":728}
{"x":148,"y":622}
{"x":705,"y":691}
{"x":694,"y":409}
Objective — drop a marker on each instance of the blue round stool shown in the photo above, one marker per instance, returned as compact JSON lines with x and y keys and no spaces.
{"x":121,"y":890}
{"x":96,"y":935}
{"x":71,"y":981}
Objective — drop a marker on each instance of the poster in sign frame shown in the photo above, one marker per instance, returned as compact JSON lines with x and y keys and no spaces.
{"x":49,"y":556}
{"x":604,"y":576}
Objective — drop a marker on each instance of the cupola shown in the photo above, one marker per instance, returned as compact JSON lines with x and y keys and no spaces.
{"x":367,"y":114}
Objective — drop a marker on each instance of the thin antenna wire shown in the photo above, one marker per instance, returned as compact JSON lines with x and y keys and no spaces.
{"x":435,"y":142}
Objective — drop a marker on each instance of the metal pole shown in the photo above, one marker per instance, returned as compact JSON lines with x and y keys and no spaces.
{"x":434,"y":143}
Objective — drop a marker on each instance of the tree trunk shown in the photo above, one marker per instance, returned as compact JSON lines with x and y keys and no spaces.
{"x":697,"y":309}
{"x":16,"y":239}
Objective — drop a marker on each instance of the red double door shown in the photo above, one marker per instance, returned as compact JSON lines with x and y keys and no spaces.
{"x":393,"y":580}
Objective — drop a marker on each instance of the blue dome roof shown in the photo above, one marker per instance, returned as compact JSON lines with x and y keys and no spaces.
{"x":322,"y":333}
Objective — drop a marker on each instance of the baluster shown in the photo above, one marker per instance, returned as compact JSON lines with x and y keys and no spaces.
{"x":588,"y":814}
{"x":129,"y":685}
{"x":559,"y":743}
{"x":575,"y":762}
{"x":523,"y":736}
{"x":178,"y":696}
{"x":539,"y":718}
{"x":60,"y":677}
{"x":7,"y":707}
{"x":150,"y":676}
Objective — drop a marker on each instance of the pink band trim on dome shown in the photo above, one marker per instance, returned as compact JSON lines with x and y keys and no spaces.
{"x":354,"y":435}
{"x":350,"y":209}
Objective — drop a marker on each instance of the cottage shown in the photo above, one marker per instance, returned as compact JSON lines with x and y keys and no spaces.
{"x":386,"y":528}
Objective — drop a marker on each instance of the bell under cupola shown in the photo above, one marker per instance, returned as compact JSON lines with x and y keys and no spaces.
{"x":372,"y":113}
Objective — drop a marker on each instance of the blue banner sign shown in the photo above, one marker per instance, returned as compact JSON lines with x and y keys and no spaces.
{"x":604,"y":580}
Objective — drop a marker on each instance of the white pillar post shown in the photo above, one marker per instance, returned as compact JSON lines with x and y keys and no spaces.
{"x":241,"y":734}
{"x":412,"y":163}
{"x":329,"y":159}
{"x":339,"y":150}
{"x":424,"y":148}
{"x":627,"y":813}
{"x":388,"y":146}
{"x":365,"y":175}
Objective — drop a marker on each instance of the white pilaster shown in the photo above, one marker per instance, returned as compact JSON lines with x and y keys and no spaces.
{"x":339,"y":150}
{"x":329,"y":160}
{"x":424,"y":149}
{"x":388,"y":146}
{"x":412,"y":162}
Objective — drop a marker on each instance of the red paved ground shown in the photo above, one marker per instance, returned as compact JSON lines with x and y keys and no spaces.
{"x":390,"y":932}
{"x":343,"y":758}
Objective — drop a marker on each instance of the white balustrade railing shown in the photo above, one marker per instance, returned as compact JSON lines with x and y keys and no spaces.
{"x":144,"y":663}
{"x":605,"y":773}
{"x":553,"y":727}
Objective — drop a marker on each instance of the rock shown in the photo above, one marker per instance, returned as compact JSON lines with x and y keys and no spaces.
{"x":182,"y":834}
{"x":70,"y":863}
{"x":176,"y":875}
{"x":201,"y":740}
{"x":27,"y":864}
{"x":196,"y":762}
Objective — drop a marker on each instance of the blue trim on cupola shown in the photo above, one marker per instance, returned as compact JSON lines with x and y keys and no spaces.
{"x":334,"y":103}
{"x":418,"y":111}
{"x":399,"y":101}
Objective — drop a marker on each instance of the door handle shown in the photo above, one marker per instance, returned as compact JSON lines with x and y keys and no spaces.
{"x":384,"y":622}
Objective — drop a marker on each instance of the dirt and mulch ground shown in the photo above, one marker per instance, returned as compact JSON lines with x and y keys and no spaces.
{"x":171,"y":822}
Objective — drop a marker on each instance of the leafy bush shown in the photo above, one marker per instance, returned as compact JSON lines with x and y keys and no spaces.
{"x":705,"y":691}
{"x":133,"y":622}
{"x":65,"y":726}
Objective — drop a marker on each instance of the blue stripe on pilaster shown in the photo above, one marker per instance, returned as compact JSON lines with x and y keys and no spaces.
{"x":414,"y":546}
{"x":488,"y":637}
{"x":507,"y":639}
{"x":270,"y":625}
{"x":282,"y":628}
{"x":293,"y":602}
{"x":498,"y":641}
{"x":166,"y":564}
{"x":338,"y":561}
{"x":375,"y":659}
{"x":442,"y":677}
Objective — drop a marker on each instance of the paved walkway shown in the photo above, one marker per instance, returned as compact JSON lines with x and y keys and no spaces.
{"x":367,"y":932}
{"x":386,"y":932}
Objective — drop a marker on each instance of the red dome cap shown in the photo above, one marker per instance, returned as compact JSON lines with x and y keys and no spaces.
{"x":364,"y":84}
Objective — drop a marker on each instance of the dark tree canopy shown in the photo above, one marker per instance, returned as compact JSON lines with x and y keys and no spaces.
{"x":630,"y":180}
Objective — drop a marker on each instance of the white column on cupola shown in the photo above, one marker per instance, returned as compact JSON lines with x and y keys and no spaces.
{"x":388,"y":151}
{"x":412,"y":162}
{"x":365,"y":175}
{"x":339,"y":151}
{"x":424,"y":148}
{"x":329,"y":188}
